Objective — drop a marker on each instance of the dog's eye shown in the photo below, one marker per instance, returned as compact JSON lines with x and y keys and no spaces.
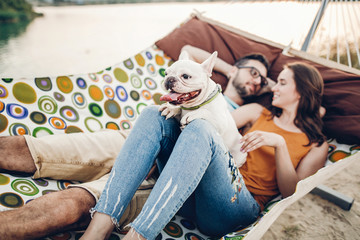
{"x":165,"y":73}
{"x":185,"y":76}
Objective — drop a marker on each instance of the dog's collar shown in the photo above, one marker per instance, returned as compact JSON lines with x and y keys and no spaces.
{"x":212,"y":96}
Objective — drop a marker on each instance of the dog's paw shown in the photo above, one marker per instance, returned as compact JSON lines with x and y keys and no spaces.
{"x":184,"y":121}
{"x":191,"y":116}
{"x":182,"y":127}
{"x":240,"y":159}
{"x":169,"y":110}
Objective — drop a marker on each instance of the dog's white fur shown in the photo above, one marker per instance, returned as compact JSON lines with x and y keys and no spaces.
{"x":216,"y":111}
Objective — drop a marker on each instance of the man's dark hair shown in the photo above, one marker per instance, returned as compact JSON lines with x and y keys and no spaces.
{"x":255,"y":56}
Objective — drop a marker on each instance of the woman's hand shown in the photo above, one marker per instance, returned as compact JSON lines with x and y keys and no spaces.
{"x":286,"y":174}
{"x":256,"y":139}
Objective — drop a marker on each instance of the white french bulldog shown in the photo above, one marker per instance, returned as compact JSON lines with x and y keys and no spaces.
{"x":193,"y":94}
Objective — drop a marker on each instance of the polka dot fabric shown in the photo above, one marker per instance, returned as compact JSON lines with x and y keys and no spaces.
{"x":112,"y":98}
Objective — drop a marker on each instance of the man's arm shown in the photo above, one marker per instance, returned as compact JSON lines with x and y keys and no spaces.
{"x":199,"y":55}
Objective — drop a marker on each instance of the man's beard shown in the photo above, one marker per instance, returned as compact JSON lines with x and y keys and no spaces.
{"x":241,"y":90}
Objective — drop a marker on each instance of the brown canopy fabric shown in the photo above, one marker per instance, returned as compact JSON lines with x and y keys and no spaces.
{"x":342,"y":89}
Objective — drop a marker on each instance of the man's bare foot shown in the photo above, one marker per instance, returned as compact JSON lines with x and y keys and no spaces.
{"x":15,"y":155}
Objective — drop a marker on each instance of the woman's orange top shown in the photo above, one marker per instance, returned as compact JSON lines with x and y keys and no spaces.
{"x":259,"y":170}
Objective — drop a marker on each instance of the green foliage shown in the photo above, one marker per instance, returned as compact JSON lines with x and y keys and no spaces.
{"x":17,"y":5}
{"x":337,"y":50}
{"x":342,"y":56}
{"x":16,"y":10}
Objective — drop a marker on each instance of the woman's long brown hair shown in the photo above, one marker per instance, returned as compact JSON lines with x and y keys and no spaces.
{"x":310,"y":86}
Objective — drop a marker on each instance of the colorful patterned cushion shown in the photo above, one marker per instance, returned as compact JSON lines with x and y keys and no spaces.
{"x":112,"y":98}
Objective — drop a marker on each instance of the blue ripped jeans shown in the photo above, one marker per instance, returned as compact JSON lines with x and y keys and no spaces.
{"x":196,"y":177}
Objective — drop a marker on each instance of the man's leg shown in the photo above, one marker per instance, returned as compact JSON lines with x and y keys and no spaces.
{"x":15,"y":155}
{"x":49,"y":214}
{"x":80,"y":157}
{"x":68,"y":209}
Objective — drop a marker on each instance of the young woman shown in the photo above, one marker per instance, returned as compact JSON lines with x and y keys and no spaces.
{"x":284,"y":146}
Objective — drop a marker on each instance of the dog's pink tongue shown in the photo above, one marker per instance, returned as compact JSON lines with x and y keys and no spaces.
{"x":170,"y":97}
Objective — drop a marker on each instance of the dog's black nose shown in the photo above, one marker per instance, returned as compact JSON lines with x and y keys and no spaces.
{"x":169,"y":82}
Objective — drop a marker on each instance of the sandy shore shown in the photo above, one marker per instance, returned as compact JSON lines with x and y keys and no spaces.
{"x":315,"y":218}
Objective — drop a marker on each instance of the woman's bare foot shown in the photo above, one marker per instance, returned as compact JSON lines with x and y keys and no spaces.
{"x":100,"y":227}
{"x":132,"y":234}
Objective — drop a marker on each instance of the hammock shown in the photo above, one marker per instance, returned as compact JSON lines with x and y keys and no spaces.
{"x":114,"y":97}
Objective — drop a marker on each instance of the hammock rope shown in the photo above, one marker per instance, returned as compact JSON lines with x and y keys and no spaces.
{"x":357,"y":26}
{"x":346,"y":38}
{"x":340,"y":23}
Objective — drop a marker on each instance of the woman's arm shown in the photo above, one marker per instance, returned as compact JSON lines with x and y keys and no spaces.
{"x":287,"y":176}
{"x":313,"y":161}
{"x":247,"y":113}
{"x":199,"y":55}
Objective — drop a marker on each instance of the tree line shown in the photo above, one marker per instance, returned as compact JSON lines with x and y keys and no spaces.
{"x":16,"y":10}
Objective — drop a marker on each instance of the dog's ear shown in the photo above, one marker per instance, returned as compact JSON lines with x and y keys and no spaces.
{"x":209,"y":64}
{"x":184,"y":55}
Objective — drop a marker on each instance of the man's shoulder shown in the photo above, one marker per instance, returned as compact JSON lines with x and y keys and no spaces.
{"x":231,"y":104}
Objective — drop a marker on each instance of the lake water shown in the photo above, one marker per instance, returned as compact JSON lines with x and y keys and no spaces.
{"x":82,"y":39}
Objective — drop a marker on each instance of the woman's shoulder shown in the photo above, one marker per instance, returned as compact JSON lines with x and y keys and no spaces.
{"x":247,"y":113}
{"x":257,"y":110}
{"x":254,"y":109}
{"x":265,"y":111}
